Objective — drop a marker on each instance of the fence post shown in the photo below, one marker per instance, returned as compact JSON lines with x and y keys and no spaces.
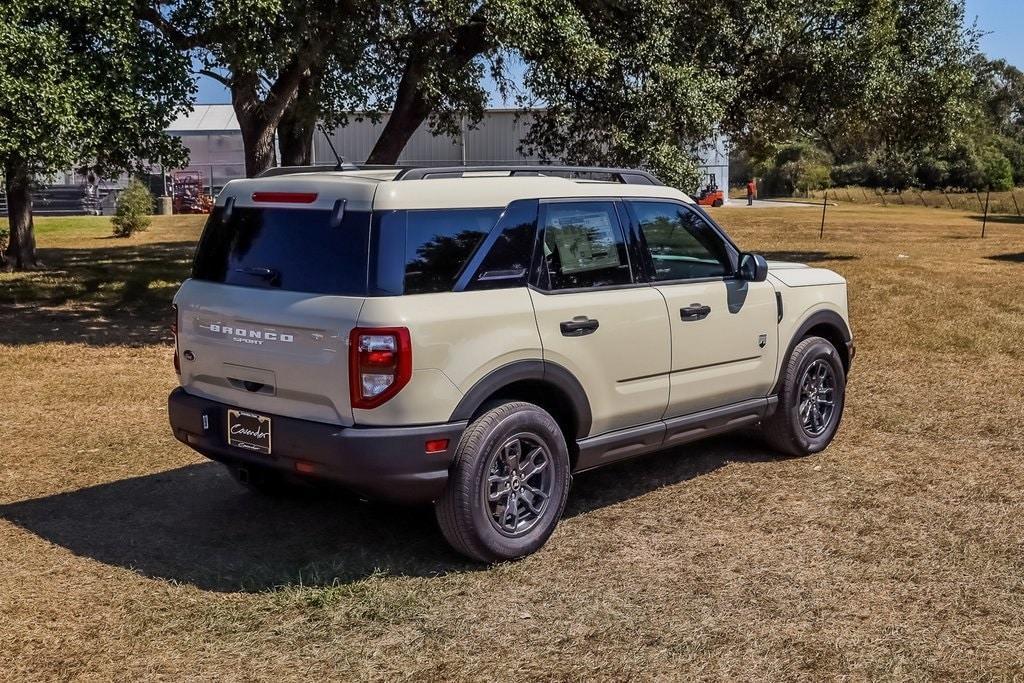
{"x":948,"y":200}
{"x":1013,"y":193}
{"x":824,"y":208}
{"x":978,"y":195}
{"x":984,"y":221}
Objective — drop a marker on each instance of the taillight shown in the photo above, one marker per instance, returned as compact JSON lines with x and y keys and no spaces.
{"x":379,"y":364}
{"x":174,"y":331}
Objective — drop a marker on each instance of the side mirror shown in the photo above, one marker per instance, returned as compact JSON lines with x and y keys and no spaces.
{"x":753,"y":268}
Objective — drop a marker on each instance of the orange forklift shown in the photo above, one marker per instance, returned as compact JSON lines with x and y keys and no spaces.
{"x":711,"y":195}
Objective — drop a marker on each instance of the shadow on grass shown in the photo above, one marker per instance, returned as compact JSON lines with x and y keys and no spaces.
{"x":196,"y":525}
{"x":1000,"y":218}
{"x":111,"y":295}
{"x":1010,"y":258}
{"x":806,"y":256}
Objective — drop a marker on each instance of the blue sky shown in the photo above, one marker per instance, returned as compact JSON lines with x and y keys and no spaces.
{"x":1002,"y":21}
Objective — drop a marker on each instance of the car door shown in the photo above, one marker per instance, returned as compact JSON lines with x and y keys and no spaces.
{"x":723,"y":328}
{"x":595,"y":319}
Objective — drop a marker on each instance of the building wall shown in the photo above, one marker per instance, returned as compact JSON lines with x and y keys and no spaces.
{"x":217,"y":151}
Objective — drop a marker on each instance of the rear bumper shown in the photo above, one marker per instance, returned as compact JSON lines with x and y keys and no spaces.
{"x":384,"y":463}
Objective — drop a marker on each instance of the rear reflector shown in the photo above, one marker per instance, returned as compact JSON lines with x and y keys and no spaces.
{"x":437,"y":446}
{"x":285,"y":197}
{"x":303,"y":467}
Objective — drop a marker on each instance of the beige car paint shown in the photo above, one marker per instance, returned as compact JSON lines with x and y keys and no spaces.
{"x":623,"y":365}
{"x":641,"y":364}
{"x":721,"y":359}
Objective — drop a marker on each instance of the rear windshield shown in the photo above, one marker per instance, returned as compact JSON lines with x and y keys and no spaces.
{"x":299,"y":250}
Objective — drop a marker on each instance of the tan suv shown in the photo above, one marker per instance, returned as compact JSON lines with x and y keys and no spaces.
{"x":472,"y":337}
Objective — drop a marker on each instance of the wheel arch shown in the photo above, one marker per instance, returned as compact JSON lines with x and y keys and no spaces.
{"x":542,"y":383}
{"x":827,"y":324}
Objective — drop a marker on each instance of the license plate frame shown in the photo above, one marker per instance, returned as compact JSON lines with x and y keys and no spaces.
{"x":249,"y":431}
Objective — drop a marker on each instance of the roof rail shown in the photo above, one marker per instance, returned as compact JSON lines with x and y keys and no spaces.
{"x":321,"y":168}
{"x":626,"y":176}
{"x":288,"y":170}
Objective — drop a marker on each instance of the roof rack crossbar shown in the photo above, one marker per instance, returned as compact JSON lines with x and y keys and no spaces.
{"x":626,"y":176}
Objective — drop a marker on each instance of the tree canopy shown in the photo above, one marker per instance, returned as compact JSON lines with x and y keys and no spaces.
{"x":81,"y":85}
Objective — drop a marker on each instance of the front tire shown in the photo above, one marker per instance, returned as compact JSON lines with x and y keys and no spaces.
{"x":508,"y":486}
{"x":811,"y":399}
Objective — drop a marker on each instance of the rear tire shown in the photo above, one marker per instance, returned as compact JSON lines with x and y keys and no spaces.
{"x":718,"y":203}
{"x":811,"y":399}
{"x":508,"y":485}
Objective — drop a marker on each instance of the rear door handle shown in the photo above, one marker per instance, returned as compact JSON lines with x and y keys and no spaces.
{"x":579,"y":326}
{"x":694,"y":312}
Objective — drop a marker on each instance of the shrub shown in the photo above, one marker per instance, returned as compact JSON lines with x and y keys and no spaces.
{"x":996,"y":170}
{"x":4,"y":234}
{"x":134,"y":206}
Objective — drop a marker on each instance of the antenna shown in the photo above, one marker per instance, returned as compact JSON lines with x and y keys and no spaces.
{"x":337,"y":157}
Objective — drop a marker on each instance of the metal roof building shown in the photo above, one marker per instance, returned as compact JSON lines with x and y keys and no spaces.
{"x":212,"y":135}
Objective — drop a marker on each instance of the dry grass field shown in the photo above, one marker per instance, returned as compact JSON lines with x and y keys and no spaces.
{"x":896,"y":554}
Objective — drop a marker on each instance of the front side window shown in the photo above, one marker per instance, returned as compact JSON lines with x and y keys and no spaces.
{"x":681,"y":244}
{"x":583,"y":245}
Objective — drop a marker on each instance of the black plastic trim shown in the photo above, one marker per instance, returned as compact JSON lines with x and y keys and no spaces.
{"x":385,"y":463}
{"x":542,"y":371}
{"x":626,"y":176}
{"x":830,"y":318}
{"x":628,"y":443}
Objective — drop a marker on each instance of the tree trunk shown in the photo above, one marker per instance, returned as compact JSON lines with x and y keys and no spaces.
{"x":21,"y":243}
{"x":411,"y":110}
{"x":295,"y":137}
{"x":258,"y":140}
{"x":412,"y":106}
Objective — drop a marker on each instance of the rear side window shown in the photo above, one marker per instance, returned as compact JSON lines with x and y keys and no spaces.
{"x":424,"y":251}
{"x":439,"y":243}
{"x":298,"y":250}
{"x":584,"y":246}
{"x":509,"y":251}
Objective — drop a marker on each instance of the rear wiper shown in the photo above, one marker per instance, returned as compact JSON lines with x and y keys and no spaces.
{"x":266,"y":273}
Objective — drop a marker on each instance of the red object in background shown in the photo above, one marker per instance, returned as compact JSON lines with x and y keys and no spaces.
{"x":188,"y":192}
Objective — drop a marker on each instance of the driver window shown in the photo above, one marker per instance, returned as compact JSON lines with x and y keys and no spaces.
{"x":682,"y":245}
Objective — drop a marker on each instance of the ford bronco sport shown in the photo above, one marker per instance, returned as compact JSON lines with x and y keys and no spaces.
{"x":473,"y":337}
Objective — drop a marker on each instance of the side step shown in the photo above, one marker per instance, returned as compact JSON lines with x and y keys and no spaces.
{"x":623,"y":444}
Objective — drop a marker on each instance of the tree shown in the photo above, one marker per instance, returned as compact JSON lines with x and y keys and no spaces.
{"x":268,"y":53}
{"x":82,"y":84}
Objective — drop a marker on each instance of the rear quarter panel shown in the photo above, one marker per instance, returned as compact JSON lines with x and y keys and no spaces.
{"x":457,"y":339}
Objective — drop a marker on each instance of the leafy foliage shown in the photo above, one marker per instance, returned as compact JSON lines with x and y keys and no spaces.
{"x":134,"y":207}
{"x":82,"y":84}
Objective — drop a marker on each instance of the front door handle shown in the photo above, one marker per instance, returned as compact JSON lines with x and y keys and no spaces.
{"x":694,"y":312}
{"x":579,"y":326}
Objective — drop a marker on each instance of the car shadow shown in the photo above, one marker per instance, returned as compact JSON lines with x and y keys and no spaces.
{"x":119,"y":295}
{"x":1009,"y":258}
{"x":195,"y":525}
